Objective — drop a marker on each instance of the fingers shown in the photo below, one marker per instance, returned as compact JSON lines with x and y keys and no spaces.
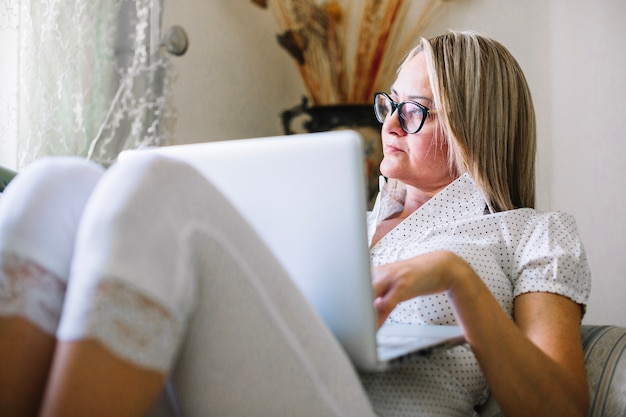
{"x":382,"y":311}
{"x":388,"y":290}
{"x":400,"y":281}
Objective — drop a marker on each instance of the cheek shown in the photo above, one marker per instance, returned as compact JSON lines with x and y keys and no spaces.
{"x":429,"y":152}
{"x":441,"y":149}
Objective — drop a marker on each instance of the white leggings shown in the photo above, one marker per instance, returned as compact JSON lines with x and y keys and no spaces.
{"x":151,"y":246}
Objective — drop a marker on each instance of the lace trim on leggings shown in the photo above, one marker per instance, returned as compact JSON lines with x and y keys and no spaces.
{"x":132,"y":325}
{"x":30,"y":291}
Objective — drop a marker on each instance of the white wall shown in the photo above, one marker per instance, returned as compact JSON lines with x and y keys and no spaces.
{"x":588,"y":58}
{"x":235,"y":81}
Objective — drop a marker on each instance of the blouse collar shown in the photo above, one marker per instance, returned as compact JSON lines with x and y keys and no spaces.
{"x":461,"y":199}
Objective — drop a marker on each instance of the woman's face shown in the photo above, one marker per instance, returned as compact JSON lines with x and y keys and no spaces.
{"x":416,"y":159}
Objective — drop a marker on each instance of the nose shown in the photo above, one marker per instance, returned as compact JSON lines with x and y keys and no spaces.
{"x":392,"y":124}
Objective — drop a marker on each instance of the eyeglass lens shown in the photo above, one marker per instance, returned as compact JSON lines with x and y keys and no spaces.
{"x":410,"y":114}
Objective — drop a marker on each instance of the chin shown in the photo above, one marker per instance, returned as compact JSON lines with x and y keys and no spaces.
{"x":389,"y":170}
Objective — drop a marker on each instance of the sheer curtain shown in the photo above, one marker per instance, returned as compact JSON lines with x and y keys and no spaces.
{"x":82,"y":77}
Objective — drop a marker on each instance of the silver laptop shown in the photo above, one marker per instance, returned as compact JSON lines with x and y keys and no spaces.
{"x":305,"y":196}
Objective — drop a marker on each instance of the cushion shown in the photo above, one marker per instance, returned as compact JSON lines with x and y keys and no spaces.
{"x":605,"y":361}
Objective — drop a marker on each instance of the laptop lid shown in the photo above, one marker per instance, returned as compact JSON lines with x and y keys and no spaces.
{"x":305,"y":196}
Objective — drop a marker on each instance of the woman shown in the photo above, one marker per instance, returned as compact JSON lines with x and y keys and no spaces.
{"x":483,"y":126}
{"x":452,"y":235}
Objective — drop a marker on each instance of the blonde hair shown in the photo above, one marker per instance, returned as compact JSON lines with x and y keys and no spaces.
{"x":485,"y":113}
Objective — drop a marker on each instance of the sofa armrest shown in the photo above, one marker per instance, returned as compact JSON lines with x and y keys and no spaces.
{"x":605,"y":361}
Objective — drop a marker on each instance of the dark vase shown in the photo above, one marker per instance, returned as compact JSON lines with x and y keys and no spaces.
{"x":359,"y":117}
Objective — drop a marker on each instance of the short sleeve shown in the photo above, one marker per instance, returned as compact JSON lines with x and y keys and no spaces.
{"x":550,"y":257}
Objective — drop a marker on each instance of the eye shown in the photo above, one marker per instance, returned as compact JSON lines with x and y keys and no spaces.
{"x":411,"y":110}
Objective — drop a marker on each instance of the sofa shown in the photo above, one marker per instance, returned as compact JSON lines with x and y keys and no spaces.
{"x":605,"y":361}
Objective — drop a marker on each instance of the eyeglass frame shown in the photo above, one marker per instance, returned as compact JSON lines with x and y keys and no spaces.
{"x":398,"y":106}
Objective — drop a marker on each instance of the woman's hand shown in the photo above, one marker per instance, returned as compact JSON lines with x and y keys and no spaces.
{"x":431,"y":273}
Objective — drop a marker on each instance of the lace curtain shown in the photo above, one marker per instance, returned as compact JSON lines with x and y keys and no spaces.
{"x":82,"y":77}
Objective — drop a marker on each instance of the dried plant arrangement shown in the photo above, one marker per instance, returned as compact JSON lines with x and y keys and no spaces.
{"x":345,"y":50}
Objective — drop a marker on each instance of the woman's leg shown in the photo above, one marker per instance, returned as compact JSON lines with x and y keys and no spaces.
{"x":254,"y":344}
{"x":167,"y":262}
{"x":115,"y":342}
{"x":26,"y":353}
{"x":39,"y":214}
{"x":87,"y":379}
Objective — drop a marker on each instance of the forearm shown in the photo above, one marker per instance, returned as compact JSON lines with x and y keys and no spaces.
{"x":524,"y":379}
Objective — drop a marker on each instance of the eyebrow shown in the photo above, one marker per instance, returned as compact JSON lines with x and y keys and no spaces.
{"x":415,"y":98}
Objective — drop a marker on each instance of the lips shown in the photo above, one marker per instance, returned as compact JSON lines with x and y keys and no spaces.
{"x":390,"y":148}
